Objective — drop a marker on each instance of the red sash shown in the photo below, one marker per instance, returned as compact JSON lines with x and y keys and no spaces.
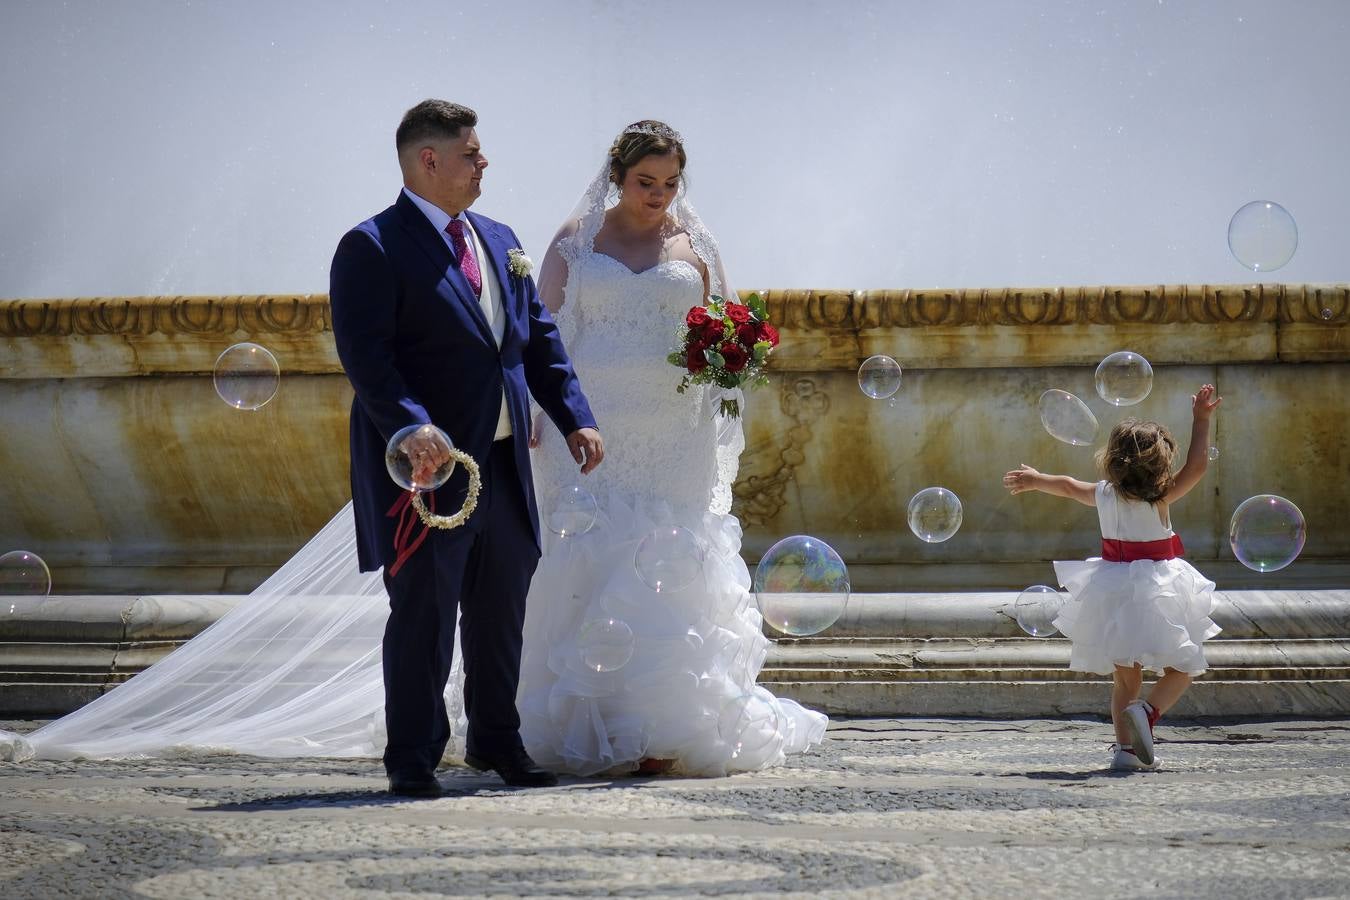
{"x":1129,"y":551}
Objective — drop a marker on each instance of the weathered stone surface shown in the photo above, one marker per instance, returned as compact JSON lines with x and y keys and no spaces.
{"x":885,"y":808}
{"x":120,"y":466}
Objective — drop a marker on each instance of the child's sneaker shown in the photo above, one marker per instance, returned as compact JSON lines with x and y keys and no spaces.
{"x":1126,"y":760}
{"x":1139,"y":719}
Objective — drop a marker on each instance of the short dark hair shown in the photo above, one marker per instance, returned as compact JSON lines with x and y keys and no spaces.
{"x":433,"y":120}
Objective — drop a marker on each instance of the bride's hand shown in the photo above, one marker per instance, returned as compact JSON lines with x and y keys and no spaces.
{"x":536,"y":430}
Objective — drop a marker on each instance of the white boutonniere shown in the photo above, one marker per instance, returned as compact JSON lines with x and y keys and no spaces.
{"x":518,"y":263}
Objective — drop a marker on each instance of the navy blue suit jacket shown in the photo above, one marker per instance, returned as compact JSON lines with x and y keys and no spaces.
{"x":417,"y":348}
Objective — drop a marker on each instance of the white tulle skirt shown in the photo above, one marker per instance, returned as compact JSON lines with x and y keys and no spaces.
{"x":688,"y":691}
{"x":1155,"y":613}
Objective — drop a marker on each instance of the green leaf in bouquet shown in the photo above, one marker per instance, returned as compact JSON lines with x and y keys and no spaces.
{"x":758,"y":306}
{"x":760,"y":352}
{"x":714,"y":358}
{"x":677,"y":358}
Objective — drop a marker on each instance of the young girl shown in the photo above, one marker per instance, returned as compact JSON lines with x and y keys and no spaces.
{"x":1140,"y":605}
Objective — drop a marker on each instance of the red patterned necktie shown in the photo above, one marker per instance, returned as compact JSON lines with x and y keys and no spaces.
{"x":467,"y":264}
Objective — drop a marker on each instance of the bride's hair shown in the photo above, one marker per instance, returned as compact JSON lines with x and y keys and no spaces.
{"x":640,"y":140}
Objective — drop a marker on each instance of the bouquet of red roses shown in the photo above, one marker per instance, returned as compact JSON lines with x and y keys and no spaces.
{"x":727,"y":344}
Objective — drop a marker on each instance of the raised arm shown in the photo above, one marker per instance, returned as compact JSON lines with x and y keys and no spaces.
{"x":1203,"y":404}
{"x":1024,"y":478}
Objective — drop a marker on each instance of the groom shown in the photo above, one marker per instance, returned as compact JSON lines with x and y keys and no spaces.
{"x":435,"y":322}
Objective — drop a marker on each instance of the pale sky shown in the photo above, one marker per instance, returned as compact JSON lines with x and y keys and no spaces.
{"x":216,"y":148}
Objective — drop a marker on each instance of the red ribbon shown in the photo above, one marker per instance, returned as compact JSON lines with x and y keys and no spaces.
{"x":1129,"y":551}
{"x":405,"y":545}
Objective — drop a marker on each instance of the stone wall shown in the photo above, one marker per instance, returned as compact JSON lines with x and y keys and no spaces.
{"x":121,"y":467}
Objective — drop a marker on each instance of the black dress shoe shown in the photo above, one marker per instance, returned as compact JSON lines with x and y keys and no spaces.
{"x":516,"y":769}
{"x":415,"y":787}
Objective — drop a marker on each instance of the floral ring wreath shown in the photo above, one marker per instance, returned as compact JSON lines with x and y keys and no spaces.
{"x":431,"y":519}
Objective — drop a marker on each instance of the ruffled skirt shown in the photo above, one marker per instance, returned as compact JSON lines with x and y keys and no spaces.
{"x":1150,"y":612}
{"x":687,"y":693}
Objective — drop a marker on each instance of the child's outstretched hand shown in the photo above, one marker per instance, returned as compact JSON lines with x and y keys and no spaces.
{"x":1021,"y":479}
{"x":1205,"y":401}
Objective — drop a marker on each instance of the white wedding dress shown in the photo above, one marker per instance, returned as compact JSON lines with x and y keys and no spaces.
{"x":688,"y":692}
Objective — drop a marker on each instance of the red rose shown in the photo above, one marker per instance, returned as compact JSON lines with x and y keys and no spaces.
{"x":735,"y":356}
{"x":697,"y":362}
{"x":711,"y":331}
{"x":768,"y":333}
{"x":738,"y":313}
{"x":697,"y":317}
{"x":747,"y":334}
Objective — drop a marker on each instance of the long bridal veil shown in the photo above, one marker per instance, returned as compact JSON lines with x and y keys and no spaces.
{"x":293,"y":670}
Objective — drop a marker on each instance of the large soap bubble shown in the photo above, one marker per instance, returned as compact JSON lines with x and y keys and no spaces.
{"x":668,"y":558}
{"x":1267,"y":532}
{"x":246,"y":376}
{"x":1262,"y":236}
{"x":24,"y":574}
{"x":1067,"y":418}
{"x":934,"y":514}
{"x":1036,"y":609}
{"x":572,"y":511}
{"x":801,"y":586}
{"x":605,"y":644}
{"x":418,"y":458}
{"x":1123,"y":378}
{"x":879,"y":377}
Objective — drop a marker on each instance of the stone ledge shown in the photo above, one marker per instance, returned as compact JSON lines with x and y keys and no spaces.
{"x":994,"y":699}
{"x":823,"y":329}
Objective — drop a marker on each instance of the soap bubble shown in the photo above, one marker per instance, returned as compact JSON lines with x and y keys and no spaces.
{"x":1067,"y":418}
{"x":1262,"y":236}
{"x":572,"y":511}
{"x":749,"y":723}
{"x":24,"y":574}
{"x":418,"y":458}
{"x":246,"y":376}
{"x":605,"y":644}
{"x":1267,"y":532}
{"x":934,"y":514}
{"x":879,"y":377}
{"x":1123,"y":378}
{"x":1213,"y":453}
{"x":801,"y":586}
{"x":1036,"y":609}
{"x":668,"y":558}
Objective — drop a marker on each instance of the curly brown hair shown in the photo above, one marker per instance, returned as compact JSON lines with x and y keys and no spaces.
{"x":631,"y":147}
{"x":1137,"y":460}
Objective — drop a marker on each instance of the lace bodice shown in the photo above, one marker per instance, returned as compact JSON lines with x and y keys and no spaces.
{"x":660,"y":446}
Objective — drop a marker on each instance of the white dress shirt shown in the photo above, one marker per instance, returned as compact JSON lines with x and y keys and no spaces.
{"x":490,"y":300}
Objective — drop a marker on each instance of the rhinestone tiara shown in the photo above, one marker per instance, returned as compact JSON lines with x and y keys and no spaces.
{"x":661,"y":131}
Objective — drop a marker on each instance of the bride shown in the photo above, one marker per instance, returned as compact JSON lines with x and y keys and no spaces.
{"x":619,"y":278}
{"x":295,"y":669}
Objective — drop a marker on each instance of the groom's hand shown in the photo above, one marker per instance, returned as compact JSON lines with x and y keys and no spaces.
{"x":587,"y":447}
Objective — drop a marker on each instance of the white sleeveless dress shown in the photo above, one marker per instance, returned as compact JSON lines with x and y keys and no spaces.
{"x":1152,"y":612}
{"x":688,"y":692}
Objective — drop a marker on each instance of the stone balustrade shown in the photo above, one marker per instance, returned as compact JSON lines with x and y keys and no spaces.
{"x":121,"y":468}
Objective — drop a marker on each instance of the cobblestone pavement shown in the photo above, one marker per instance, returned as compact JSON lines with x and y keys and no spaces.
{"x":886,"y":808}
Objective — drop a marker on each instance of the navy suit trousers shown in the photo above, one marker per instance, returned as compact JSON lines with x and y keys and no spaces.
{"x":484,"y":574}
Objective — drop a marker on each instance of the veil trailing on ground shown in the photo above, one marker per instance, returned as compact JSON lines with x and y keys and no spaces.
{"x":293,"y":670}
